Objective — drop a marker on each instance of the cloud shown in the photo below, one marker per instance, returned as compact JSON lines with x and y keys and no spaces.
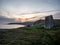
{"x":57,"y":15}
{"x":5,"y":19}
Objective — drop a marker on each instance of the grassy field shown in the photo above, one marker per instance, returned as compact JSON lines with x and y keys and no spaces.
{"x":35,"y":35}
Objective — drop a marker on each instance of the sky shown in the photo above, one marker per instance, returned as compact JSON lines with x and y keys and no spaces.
{"x":25,"y":10}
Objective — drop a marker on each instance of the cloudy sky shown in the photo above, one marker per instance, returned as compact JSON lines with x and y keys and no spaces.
{"x":25,"y":10}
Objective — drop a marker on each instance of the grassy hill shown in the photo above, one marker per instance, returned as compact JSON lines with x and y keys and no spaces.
{"x":34,"y":35}
{"x":57,"y":22}
{"x":41,"y":22}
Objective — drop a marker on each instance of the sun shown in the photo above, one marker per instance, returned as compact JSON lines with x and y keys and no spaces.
{"x":20,"y":19}
{"x":24,"y":18}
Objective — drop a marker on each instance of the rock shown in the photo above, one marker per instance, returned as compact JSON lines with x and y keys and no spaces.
{"x":48,"y":23}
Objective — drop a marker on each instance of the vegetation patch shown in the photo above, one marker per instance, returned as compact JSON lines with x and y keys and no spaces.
{"x":34,"y":35}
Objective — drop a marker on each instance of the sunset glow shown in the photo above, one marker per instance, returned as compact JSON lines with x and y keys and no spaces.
{"x":25,"y":10}
{"x":21,"y":19}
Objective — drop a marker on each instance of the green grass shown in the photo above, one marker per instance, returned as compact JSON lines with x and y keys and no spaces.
{"x":34,"y":35}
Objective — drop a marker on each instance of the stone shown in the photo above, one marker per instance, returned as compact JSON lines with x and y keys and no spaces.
{"x":49,"y":22}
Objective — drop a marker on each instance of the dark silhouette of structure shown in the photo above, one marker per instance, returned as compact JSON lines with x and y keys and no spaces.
{"x":49,"y":23}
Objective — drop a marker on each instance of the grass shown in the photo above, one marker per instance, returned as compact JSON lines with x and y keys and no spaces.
{"x":35,"y":35}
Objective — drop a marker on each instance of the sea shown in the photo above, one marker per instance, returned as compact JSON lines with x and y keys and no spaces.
{"x":6,"y":26}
